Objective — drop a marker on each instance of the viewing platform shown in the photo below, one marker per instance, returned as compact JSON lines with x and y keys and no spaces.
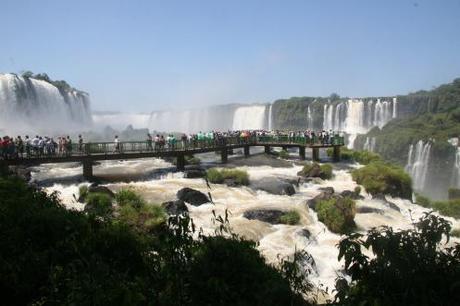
{"x":88,"y":153}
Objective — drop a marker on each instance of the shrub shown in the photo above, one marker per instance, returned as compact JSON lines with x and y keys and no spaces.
{"x":406,"y":267}
{"x":382,"y":178}
{"x":323,"y":171}
{"x":283,"y":154}
{"x":192,"y":160}
{"x":239,"y":177}
{"x":145,"y":218}
{"x":292,"y":217}
{"x":326,"y":171}
{"x":455,"y":232}
{"x":83,"y":192}
{"x":127,"y":196}
{"x":365,"y":157}
{"x":357,"y":190}
{"x":99,"y":204}
{"x":449,"y":208}
{"x":337,"y":214}
{"x":454,"y":193}
{"x":422,"y":201}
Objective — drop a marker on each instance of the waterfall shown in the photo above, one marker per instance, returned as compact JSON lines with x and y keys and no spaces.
{"x":28,"y":104}
{"x":309,"y":118}
{"x":395,"y":108}
{"x":457,"y":168}
{"x":249,"y":117}
{"x":369,"y":145}
{"x":417,"y":163}
{"x":354,"y":122}
{"x":270,"y":124}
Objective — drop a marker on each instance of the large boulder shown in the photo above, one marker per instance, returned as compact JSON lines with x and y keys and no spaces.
{"x":176,"y":207}
{"x":351,"y":194}
{"x":274,"y":186}
{"x":192,"y":196}
{"x":368,"y":210}
{"x":271,"y":216}
{"x":311,"y":170}
{"x":326,"y":194}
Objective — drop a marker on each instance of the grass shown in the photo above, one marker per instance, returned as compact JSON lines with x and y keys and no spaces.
{"x":455,"y":232}
{"x":337,"y":214}
{"x":217,"y":176}
{"x":450,"y":208}
{"x":127,"y":196}
{"x":323,"y":171}
{"x":83,"y":191}
{"x":291,"y":217}
{"x":283,"y":154}
{"x":383,"y":178}
{"x":362,"y":157}
{"x":99,"y":204}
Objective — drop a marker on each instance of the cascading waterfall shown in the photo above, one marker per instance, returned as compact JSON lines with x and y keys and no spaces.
{"x":369,"y":145}
{"x":309,"y":118}
{"x":457,"y":169}
{"x":270,"y":124}
{"x":249,"y":117}
{"x":418,"y":162}
{"x":28,"y":104}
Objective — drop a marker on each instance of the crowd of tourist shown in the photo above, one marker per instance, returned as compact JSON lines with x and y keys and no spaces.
{"x":39,"y":146}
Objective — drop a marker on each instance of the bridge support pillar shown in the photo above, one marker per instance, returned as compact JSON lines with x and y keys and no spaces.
{"x":302,"y":153}
{"x":3,"y":168}
{"x":267,"y":149}
{"x":284,"y":148}
{"x":336,"y":154}
{"x":315,"y":154}
{"x":224,"y":156}
{"x":88,"y":170}
{"x":246,"y":151}
{"x":180,"y":162}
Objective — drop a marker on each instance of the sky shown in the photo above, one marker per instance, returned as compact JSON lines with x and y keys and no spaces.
{"x":139,"y":56}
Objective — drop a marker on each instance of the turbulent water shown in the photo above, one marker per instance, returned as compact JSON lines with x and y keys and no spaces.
{"x":274,"y":240}
{"x":369,"y":145}
{"x":27,"y":104}
{"x":418,"y":163}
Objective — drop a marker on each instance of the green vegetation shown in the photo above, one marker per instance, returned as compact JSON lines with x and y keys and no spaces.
{"x":408,"y":267}
{"x":127,"y":196}
{"x":283,"y":154}
{"x":449,"y":208}
{"x":99,"y":204}
{"x":192,"y":160}
{"x":383,"y":178}
{"x":216,"y":176}
{"x":362,"y":157}
{"x":453,"y":193}
{"x":83,"y":192}
{"x":323,"y":171}
{"x":147,"y":217}
{"x":54,"y":256}
{"x":455,"y":233}
{"x":357,"y":190}
{"x":337,"y":213}
{"x":61,"y":85}
{"x":292,"y":217}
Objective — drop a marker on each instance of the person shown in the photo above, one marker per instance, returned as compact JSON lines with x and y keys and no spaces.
{"x":69,"y":145}
{"x":35,"y":143}
{"x":20,"y":146}
{"x":116,"y":147}
{"x":149,"y":142}
{"x":80,"y":144}
{"x":28,"y":145}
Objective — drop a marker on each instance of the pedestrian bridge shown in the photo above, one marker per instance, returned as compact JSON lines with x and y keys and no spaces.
{"x":88,"y":153}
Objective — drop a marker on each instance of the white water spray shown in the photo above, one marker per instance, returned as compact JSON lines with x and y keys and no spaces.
{"x":418,"y":162}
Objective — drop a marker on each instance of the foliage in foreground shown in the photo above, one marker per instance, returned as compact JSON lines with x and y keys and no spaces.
{"x":409,"y":267}
{"x":337,"y":214}
{"x":54,"y":256}
{"x":382,"y":178}
{"x":216,"y":176}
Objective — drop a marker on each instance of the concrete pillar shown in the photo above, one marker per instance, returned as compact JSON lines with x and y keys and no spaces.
{"x":336,"y":155}
{"x":224,"y":156}
{"x":180,"y":162}
{"x":267,"y":149}
{"x":88,"y":170}
{"x":246,"y":151}
{"x":284,"y":148}
{"x":315,"y":154}
{"x":302,"y":153}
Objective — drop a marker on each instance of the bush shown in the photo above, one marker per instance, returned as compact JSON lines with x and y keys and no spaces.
{"x":99,"y":204}
{"x":83,"y":192}
{"x":292,"y":217}
{"x":239,"y":177}
{"x":422,"y":201}
{"x":323,"y":171}
{"x":127,"y":196}
{"x":147,"y":217}
{"x":192,"y":160}
{"x":455,"y":233}
{"x":449,"y":208}
{"x":326,"y":171}
{"x":283,"y":154}
{"x":362,"y":157}
{"x":337,"y":214}
{"x":406,"y":267}
{"x":454,"y":193}
{"x":382,"y":178}
{"x":357,"y":190}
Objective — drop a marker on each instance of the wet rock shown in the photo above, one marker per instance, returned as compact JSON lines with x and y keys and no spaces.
{"x":304,"y":233}
{"x":176,"y":207}
{"x":94,"y":188}
{"x":392,"y":205}
{"x":327,"y":194}
{"x":21,"y":172}
{"x":381,"y":196}
{"x":192,"y":196}
{"x":194,"y":173}
{"x":351,"y":194}
{"x":274,"y":186}
{"x":368,"y":210}
{"x":271,"y":216}
{"x":313,"y":171}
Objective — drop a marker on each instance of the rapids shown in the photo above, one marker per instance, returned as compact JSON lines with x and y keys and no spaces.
{"x":159,"y":183}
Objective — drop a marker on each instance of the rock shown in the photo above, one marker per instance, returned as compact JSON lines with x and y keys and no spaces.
{"x":271,"y":216}
{"x":194,"y":173}
{"x":176,"y":207}
{"x":192,"y":196}
{"x":327,"y":190}
{"x":231,"y":182}
{"x":313,"y":171}
{"x":304,"y":233}
{"x":274,"y":186}
{"x":381,"y":196}
{"x":327,"y":194}
{"x":392,"y":205}
{"x":94,"y":188}
{"x":368,"y":210}
{"x":351,"y":194}
{"x":22,"y":172}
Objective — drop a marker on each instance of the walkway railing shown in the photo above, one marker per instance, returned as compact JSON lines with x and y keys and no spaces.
{"x":86,"y":149}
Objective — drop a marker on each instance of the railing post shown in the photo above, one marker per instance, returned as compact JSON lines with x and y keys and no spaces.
{"x":88,"y":169}
{"x":246,"y":151}
{"x":301,"y":152}
{"x":224,"y":155}
{"x":267,"y":149}
{"x":180,"y":162}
